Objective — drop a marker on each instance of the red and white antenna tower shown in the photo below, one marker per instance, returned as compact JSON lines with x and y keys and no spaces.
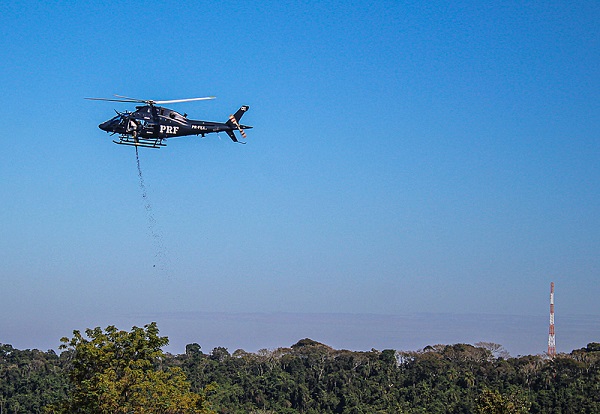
{"x":551,"y":338}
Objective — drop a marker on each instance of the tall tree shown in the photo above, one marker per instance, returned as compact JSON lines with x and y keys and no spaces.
{"x":114,"y":371}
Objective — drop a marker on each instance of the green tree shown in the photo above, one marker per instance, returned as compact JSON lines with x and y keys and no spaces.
{"x":493,"y":402}
{"x":29,"y":380}
{"x":122,"y":372}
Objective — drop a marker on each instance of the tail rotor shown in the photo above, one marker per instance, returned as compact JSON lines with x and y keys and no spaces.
{"x":237,"y":125}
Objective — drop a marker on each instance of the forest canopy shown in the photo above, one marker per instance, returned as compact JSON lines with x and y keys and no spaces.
{"x":114,"y":371}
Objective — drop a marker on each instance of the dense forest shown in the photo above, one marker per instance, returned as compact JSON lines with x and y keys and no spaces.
{"x":120,"y":368}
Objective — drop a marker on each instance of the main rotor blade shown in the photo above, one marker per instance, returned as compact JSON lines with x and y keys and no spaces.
{"x":132,"y":99}
{"x":127,"y":99}
{"x":116,"y":100}
{"x":168,"y":101}
{"x":185,"y":100}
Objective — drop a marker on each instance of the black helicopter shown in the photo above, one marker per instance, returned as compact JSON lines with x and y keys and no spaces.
{"x":149,"y":125}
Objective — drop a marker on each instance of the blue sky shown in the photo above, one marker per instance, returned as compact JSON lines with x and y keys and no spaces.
{"x":407,"y":159}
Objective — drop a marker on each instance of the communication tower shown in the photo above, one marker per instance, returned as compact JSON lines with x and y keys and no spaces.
{"x":551,"y":338}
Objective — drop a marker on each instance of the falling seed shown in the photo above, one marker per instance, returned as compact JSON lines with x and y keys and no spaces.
{"x":154,"y":233}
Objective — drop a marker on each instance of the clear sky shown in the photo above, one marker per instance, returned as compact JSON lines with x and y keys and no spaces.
{"x":407,"y":159}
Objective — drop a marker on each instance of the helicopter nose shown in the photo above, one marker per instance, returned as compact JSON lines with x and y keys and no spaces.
{"x":104,"y":126}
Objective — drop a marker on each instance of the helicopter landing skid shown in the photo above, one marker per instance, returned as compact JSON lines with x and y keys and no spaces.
{"x":140,"y":142}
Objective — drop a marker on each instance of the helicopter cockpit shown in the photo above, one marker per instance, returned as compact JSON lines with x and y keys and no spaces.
{"x":111,"y":124}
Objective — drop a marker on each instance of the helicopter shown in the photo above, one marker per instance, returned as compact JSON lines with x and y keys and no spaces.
{"x":150,"y":125}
